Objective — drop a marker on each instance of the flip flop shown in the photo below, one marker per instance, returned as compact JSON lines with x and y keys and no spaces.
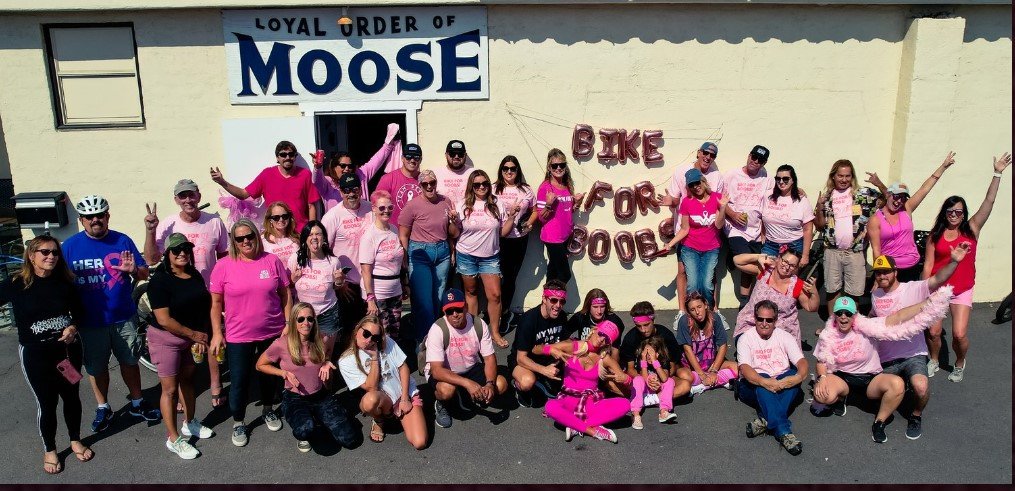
{"x":376,"y":432}
{"x":637,"y":424}
{"x":55,"y":469}
{"x":501,"y":343}
{"x":669,"y":417}
{"x":85,"y":454}
{"x":219,"y":399}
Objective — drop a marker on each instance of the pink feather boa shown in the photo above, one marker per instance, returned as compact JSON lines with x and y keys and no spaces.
{"x":239,"y":209}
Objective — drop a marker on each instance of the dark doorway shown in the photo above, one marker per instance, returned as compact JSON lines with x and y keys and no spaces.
{"x":358,"y":134}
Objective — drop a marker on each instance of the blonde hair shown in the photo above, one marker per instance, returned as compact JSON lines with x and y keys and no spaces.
{"x":566,"y":180}
{"x":27,"y":272}
{"x":352,"y":349}
{"x":290,"y":229}
{"x":830,"y":183}
{"x":233,"y":250}
{"x":315,"y":348}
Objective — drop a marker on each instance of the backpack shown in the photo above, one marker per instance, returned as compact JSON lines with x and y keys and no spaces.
{"x":443,"y":324}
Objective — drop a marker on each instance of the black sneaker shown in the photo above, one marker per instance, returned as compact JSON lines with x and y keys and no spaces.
{"x":839,"y":408}
{"x":103,"y":416}
{"x":524,"y":398}
{"x":878,"y":432}
{"x":441,"y":416}
{"x":915,"y":428}
{"x":145,"y":412}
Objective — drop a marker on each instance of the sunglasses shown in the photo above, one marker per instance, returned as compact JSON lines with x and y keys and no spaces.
{"x":602,"y":335}
{"x":386,"y":209}
{"x":760,"y":160}
{"x":509,"y":168}
{"x":694,"y":184}
{"x":454,"y":311}
{"x":710,"y":154}
{"x":901,"y":197}
{"x":278,"y":218}
{"x":559,"y":166}
{"x":428,"y":184}
{"x":456,"y":154}
{"x":766,"y":320}
{"x":286,"y":154}
{"x":555,"y":300}
{"x":345,"y":166}
{"x":783,"y":180}
{"x":840,"y":313}
{"x":47,"y":252}
{"x":955,"y":213}
{"x":480,"y":184}
{"x":301,"y":319}
{"x":252,"y":236}
{"x":354,"y":190}
{"x":369,"y":336}
{"x":181,"y":249}
{"x":93,"y":217}
{"x":416,"y":158}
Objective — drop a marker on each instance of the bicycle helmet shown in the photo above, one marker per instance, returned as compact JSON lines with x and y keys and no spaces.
{"x":91,"y":205}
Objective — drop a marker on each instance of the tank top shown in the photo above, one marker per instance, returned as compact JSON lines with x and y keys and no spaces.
{"x":964,"y":276}
{"x":577,"y":378}
{"x":787,"y":319}
{"x":897,"y":240}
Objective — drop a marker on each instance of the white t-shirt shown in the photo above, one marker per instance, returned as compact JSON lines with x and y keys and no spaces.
{"x":391,"y":379}
{"x":842,"y":211}
{"x":511,"y":196}
{"x":316,"y":285}
{"x":452,"y":184}
{"x":772,"y":356}
{"x":345,"y":227}
{"x":282,"y":247}
{"x":884,"y":304}
{"x":464,"y":350}
{"x":382,"y":249}
{"x":746,"y":194}
{"x":208,"y":234}
{"x":784,"y":218}
{"x":480,"y":234}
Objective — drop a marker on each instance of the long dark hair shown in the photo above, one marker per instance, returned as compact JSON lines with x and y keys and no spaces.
{"x":566,"y":180}
{"x":794,"y":191}
{"x":470,"y":195}
{"x":27,"y":273}
{"x":592,"y":295}
{"x":707,"y":326}
{"x":657,"y":343}
{"x":329,"y":168}
{"x":499,"y":184}
{"x":165,"y":267}
{"x":941,"y":222}
{"x":303,"y":254}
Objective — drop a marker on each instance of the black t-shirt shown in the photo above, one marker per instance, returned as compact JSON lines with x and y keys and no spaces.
{"x":581,"y":325}
{"x":188,"y":299}
{"x":44,"y":310}
{"x":633,"y":340}
{"x":533,"y":329}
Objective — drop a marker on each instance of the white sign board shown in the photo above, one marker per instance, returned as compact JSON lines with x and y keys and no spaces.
{"x":289,"y":56}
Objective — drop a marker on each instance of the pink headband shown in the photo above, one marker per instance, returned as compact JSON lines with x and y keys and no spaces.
{"x":598,"y":301}
{"x":555,"y":294}
{"x":641,"y":319}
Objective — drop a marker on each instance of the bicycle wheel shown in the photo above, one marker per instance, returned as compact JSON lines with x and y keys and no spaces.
{"x":1003,"y":313}
{"x":143,"y":356}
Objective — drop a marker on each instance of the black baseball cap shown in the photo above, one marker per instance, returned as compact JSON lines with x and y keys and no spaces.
{"x":412,"y":150}
{"x":348,"y":181}
{"x":760,"y":153}
{"x":455,"y":146}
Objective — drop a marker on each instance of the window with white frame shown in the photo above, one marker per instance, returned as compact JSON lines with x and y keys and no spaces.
{"x":94,"y":75}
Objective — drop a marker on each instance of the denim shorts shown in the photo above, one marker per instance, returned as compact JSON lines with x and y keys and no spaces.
{"x":469,"y":265}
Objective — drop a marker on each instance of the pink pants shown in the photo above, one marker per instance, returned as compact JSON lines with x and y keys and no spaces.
{"x":597,"y":413}
{"x":724,"y":375}
{"x":665,"y":394}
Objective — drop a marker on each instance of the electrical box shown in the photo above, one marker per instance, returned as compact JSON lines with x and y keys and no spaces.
{"x":33,"y":210}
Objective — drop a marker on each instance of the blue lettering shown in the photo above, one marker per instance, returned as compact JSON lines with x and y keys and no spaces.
{"x":418,"y":67}
{"x":277,"y":63}
{"x":332,"y":70}
{"x":356,"y":72}
{"x":450,"y":62}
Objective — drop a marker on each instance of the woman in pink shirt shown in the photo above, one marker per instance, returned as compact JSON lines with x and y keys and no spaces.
{"x":702,"y":216}
{"x":383,"y":266}
{"x":556,"y":204}
{"x":252,"y":287}
{"x":787,"y":217}
{"x":279,"y":236}
{"x":326,"y":179}
{"x":315,"y":273}
{"x":848,"y":360}
{"x":512,"y":191}
{"x":302,"y":359}
{"x":482,"y":222}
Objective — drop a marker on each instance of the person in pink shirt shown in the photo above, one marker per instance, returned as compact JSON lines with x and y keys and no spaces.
{"x":677,"y":190}
{"x":556,"y":205}
{"x":325,"y":177}
{"x":787,"y":217}
{"x":302,"y":358}
{"x":451,"y":178}
{"x":779,"y":284}
{"x":481,"y":222}
{"x":252,"y":288}
{"x":315,"y":273}
{"x":457,"y":357}
{"x":746,"y":188}
{"x":848,"y":362}
{"x":512,"y":191}
{"x":283,"y":182}
{"x":403,"y":184}
{"x":702,"y":215}
{"x":345,"y":225}
{"x":384,"y":267}
{"x":279,"y":235}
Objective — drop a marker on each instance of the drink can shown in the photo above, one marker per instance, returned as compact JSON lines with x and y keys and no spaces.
{"x":319,"y":157}
{"x":198,"y":356}
{"x":221,"y":355}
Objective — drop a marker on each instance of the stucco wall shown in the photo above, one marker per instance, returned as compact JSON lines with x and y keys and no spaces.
{"x":814,"y":84}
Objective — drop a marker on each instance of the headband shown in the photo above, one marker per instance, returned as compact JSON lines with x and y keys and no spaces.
{"x":598,"y":301}
{"x":555,"y":293}
{"x":641,"y":319}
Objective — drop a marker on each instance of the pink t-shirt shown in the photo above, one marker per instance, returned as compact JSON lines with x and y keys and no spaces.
{"x":316,"y":285}
{"x":784,"y":218}
{"x":382,"y":249}
{"x":344,"y":228}
{"x":297,"y":190}
{"x":427,"y":221}
{"x":678,"y":185}
{"x":309,"y":374}
{"x":558,"y":227}
{"x":772,"y":356}
{"x":842,"y":210}
{"x":885,"y":303}
{"x":746,"y":194}
{"x":853,"y":352}
{"x":250,"y":295}
{"x":480,"y":231}
{"x":513,"y":195}
{"x":327,"y":188}
{"x":282,"y":247}
{"x":702,"y":236}
{"x":208,"y":234}
{"x":402,"y":188}
{"x":464,"y":350}
{"x":452,"y":183}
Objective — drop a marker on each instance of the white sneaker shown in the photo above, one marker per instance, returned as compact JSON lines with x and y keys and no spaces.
{"x":195,"y":428}
{"x":958,"y":373}
{"x":272,"y":421}
{"x":569,"y":434}
{"x":680,"y":313}
{"x":697,"y":389}
{"x":932,"y":367}
{"x":651,"y":400}
{"x":303,"y":446}
{"x":184,"y":449}
{"x":725,"y":325}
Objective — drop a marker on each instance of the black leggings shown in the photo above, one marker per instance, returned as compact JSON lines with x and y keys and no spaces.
{"x":557,"y":267}
{"x":38,"y":363}
{"x":512,"y":254}
{"x":242,"y":358}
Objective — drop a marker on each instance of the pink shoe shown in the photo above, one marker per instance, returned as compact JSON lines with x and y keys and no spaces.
{"x":606,"y":434}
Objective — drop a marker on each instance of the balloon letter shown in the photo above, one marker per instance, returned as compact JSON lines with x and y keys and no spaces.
{"x":596,"y":194}
{"x":576,"y":242}
{"x":609,"y":138}
{"x":648,"y":146}
{"x":582,"y":141}
{"x":599,"y":245}
{"x":623,"y":204}
{"x":645,"y":195}
{"x":624,"y":242}
{"x":626,"y":148}
{"x":666,"y":230}
{"x":646,"y":242}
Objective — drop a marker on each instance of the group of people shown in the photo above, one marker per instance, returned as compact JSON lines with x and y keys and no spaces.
{"x":333,"y":262}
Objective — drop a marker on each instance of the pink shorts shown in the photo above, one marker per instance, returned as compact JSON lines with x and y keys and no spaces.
{"x":168,"y":351}
{"x":964,"y":298}
{"x":416,"y":401}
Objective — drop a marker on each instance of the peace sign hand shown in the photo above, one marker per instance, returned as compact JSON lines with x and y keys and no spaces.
{"x":151,"y":220}
{"x":949,"y":160}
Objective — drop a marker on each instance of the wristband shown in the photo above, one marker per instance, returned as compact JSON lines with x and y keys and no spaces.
{"x":644,"y":364}
{"x":490,"y":382}
{"x":998,"y":174}
{"x":656,"y":364}
{"x":371,"y":296}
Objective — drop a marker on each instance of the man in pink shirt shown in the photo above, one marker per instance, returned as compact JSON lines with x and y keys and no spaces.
{"x":344,"y":225}
{"x":675,"y":193}
{"x":459,"y":357}
{"x":403,"y":184}
{"x":746,"y":189}
{"x":283,"y":182}
{"x":907,"y":358}
{"x":204,"y":230}
{"x":451,"y":178}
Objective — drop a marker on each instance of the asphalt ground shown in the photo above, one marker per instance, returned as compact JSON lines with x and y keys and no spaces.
{"x":967,"y":439}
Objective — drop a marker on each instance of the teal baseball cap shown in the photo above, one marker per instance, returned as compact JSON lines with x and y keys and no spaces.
{"x":845,"y":303}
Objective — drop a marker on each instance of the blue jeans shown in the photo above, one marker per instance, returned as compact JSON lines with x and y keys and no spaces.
{"x":241,"y":358}
{"x":772,"y":248}
{"x":700,"y":269}
{"x":428,"y":276}
{"x":772,"y":406}
{"x":303,"y":413}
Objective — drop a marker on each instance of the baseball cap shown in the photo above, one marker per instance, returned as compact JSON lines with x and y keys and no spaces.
{"x":348,"y":181}
{"x":898,"y":188}
{"x":453,"y":298}
{"x":884,"y":263}
{"x":845,"y":303}
{"x":184,"y":185}
{"x":412,"y":150}
{"x":710,"y":147}
{"x":692,"y":176}
{"x":760,"y":153}
{"x":455,"y":146}
{"x":177,"y":239}
{"x":609,"y":329}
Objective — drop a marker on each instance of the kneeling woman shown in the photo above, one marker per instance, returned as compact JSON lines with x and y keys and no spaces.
{"x":372,"y":361}
{"x":300,"y":357}
{"x":848,"y":361}
{"x":581,"y":407}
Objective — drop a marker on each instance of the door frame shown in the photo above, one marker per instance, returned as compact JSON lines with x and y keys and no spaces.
{"x":409,"y":108}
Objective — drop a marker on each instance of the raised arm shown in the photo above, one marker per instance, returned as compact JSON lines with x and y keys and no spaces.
{"x":976,"y":221}
{"x":753,"y":264}
{"x":908,"y":321}
{"x":958,"y":254}
{"x":236,"y":191}
{"x":920,"y":194}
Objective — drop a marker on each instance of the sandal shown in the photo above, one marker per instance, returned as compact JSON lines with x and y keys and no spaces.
{"x":376,"y":432}
{"x":51,"y":466}
{"x":502,"y":343}
{"x":85,"y":454}
{"x":219,"y":399}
